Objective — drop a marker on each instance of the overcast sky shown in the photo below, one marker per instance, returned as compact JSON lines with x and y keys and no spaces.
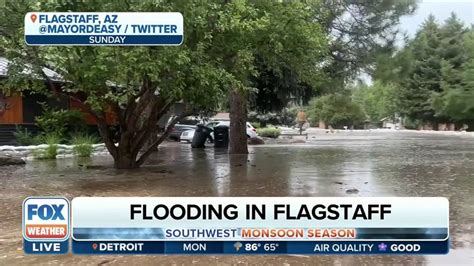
{"x":441,"y":9}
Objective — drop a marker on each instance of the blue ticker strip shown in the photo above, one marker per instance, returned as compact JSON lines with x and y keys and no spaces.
{"x":261,"y":247}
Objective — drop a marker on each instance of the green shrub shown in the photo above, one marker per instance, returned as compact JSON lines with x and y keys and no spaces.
{"x":412,"y":123}
{"x":337,"y":110}
{"x":264,"y":118}
{"x":51,"y":151}
{"x":56,"y":121}
{"x":26,"y":138}
{"x":256,"y":124}
{"x":269,"y":132}
{"x":83,"y":144}
{"x":286,"y":117}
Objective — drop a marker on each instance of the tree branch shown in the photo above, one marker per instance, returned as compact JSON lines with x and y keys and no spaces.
{"x":163,"y":136}
{"x":151,"y":125}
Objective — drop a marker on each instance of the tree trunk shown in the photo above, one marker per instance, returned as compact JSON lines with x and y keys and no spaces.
{"x":125,"y":160}
{"x":238,"y":120}
{"x":137,"y":125}
{"x":153,"y":138}
{"x":129,"y":149}
{"x":126,"y":153}
{"x":137,"y":132}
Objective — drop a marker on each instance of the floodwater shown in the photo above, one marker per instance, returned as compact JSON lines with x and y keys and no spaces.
{"x":375,"y":163}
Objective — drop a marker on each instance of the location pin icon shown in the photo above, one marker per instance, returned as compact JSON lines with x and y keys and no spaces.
{"x":33,"y":18}
{"x":94,"y":246}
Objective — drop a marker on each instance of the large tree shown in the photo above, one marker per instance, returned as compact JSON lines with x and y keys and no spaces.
{"x":140,"y":84}
{"x":359,"y":32}
{"x":137,"y":84}
{"x":336,"y":110}
{"x":425,"y":73}
{"x":456,"y":55}
{"x":278,"y":35}
{"x":379,"y":100}
{"x":432,"y":73}
{"x":275,"y":90}
{"x":456,"y":101}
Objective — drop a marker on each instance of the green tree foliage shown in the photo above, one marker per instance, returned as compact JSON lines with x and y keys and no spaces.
{"x":433,"y":73}
{"x":456,"y":101}
{"x":455,"y":57}
{"x":274,"y":91}
{"x":425,"y":75}
{"x":393,"y":68}
{"x":380,"y":100}
{"x":140,"y":84}
{"x":337,"y":110}
{"x":359,"y":31}
{"x":276,"y":34}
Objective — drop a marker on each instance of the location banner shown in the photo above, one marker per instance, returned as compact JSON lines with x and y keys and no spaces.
{"x":239,"y":225}
{"x":99,"y":28}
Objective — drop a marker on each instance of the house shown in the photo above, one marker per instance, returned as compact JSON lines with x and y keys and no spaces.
{"x":22,"y":109}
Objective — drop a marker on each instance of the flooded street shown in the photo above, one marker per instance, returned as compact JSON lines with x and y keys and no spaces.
{"x":374,"y":163}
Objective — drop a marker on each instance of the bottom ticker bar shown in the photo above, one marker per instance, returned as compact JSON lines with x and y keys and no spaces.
{"x":261,"y":247}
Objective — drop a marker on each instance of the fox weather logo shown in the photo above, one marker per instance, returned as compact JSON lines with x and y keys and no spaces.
{"x":45,"y":221}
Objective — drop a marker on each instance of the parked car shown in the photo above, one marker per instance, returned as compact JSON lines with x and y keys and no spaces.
{"x":251,"y":131}
{"x":188,"y":123}
{"x":188,"y":135}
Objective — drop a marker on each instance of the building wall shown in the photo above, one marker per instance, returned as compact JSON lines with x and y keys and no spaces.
{"x":16,"y":110}
{"x":11,"y":110}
